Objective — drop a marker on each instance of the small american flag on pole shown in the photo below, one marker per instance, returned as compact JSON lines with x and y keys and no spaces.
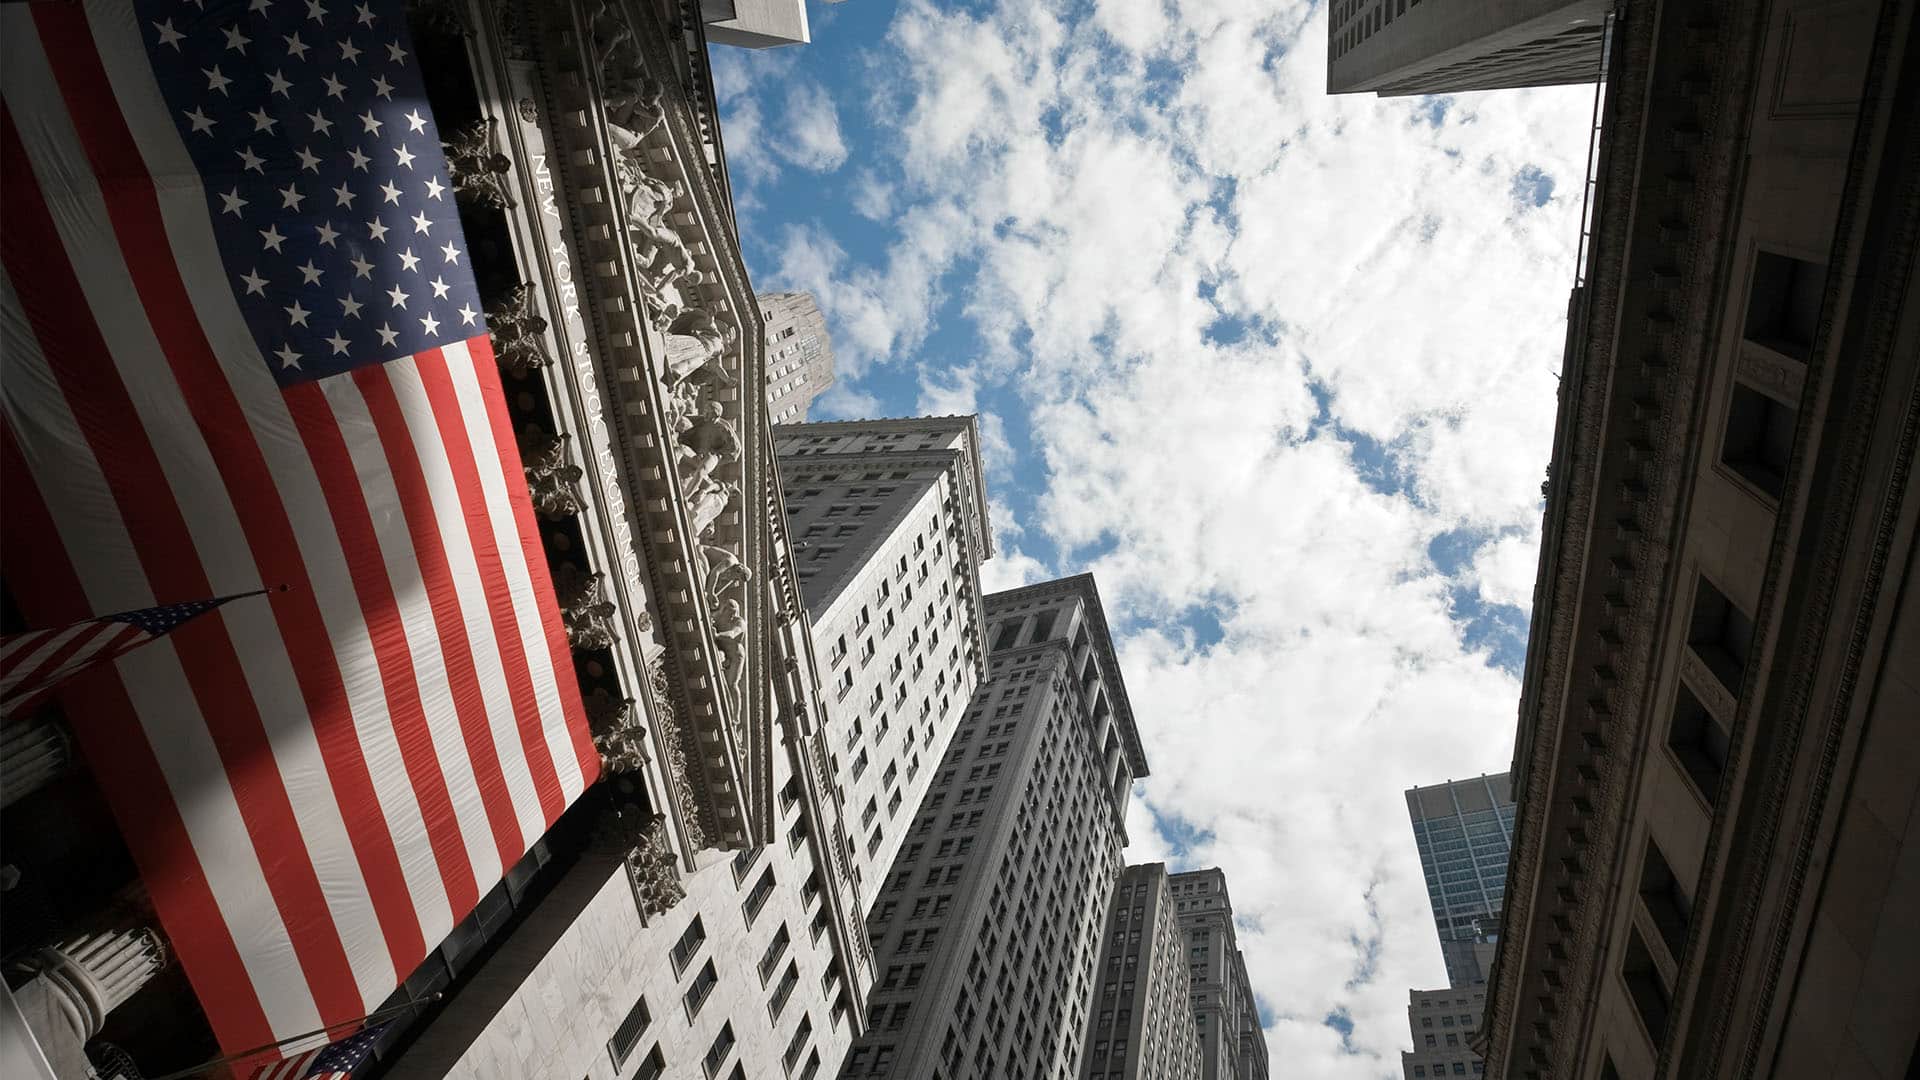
{"x":334,"y":1061}
{"x":34,"y":663}
{"x":243,"y":344}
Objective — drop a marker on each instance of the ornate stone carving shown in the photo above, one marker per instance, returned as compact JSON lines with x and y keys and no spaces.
{"x":477,"y":167}
{"x":552,"y":477}
{"x":519,"y":332}
{"x":617,"y":733}
{"x":654,"y":869}
{"x":660,"y":685}
{"x":663,"y":265}
{"x":589,"y":616}
{"x":443,"y":16}
{"x":697,"y":339}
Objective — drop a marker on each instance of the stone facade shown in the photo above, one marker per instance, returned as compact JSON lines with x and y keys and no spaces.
{"x":989,"y":928}
{"x":1226,"y":1016}
{"x":799,"y":354}
{"x":889,"y":526}
{"x":1396,"y":47}
{"x":1141,"y":1024}
{"x":1717,"y":825}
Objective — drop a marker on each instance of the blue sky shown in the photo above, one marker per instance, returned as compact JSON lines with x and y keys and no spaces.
{"x":1278,"y":368}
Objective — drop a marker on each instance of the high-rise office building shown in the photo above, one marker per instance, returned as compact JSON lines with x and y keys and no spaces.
{"x":1719,"y":816}
{"x":799,"y":354}
{"x":1141,"y":1025}
{"x":988,"y":929}
{"x":1463,"y":829}
{"x":889,"y":520}
{"x":1225,"y":1013}
{"x":1447,"y":46}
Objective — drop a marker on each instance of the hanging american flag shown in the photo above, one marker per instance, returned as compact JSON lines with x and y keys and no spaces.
{"x":35,"y":662}
{"x":243,"y":345}
{"x":334,"y":1061}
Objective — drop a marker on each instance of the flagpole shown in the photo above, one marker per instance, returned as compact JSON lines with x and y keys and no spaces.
{"x":230,"y":1059}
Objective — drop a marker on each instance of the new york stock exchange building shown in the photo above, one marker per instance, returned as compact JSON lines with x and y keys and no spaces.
{"x":487,"y":744}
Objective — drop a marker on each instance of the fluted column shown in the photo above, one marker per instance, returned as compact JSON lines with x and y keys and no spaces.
{"x":88,"y":976}
{"x":33,"y":753}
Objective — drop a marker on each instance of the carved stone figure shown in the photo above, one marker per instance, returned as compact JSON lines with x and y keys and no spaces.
{"x":589,"y":618}
{"x":519,"y":332}
{"x":476,"y":166}
{"x":552,"y":478}
{"x":707,"y":440}
{"x":729,"y":637}
{"x":633,"y":112}
{"x":707,"y":502}
{"x":661,"y":259}
{"x":696,"y":340}
{"x":666,"y":714}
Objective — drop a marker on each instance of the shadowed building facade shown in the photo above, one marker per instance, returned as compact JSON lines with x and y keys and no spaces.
{"x":1225,"y":1014}
{"x":889,"y":520}
{"x":1716,"y":855}
{"x":1397,"y":47}
{"x":1141,"y":1023}
{"x":988,"y":929}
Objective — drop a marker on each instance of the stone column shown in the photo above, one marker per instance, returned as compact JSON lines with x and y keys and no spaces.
{"x":86,"y":977}
{"x":33,"y":753}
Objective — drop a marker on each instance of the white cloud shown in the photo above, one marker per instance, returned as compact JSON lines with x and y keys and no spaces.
{"x":810,"y":137}
{"x":1504,"y":569}
{"x":872,"y":197}
{"x":1221,"y":296}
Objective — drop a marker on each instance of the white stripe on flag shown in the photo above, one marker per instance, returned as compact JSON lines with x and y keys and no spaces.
{"x":513,"y":558}
{"x":452,"y":530}
{"x":423,"y":636}
{"x":49,"y":644}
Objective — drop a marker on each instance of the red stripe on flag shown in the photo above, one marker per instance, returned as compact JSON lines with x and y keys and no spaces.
{"x":432,"y":366}
{"x":403,"y":463}
{"x":222,"y":422}
{"x":36,"y":262}
{"x":487,"y":373}
{"x":116,"y":750}
{"x":347,"y":504}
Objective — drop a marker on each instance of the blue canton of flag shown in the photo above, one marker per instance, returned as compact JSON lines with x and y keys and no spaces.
{"x":324,"y":174}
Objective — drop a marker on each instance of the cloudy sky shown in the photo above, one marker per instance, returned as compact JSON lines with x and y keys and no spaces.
{"x":1278,"y":368}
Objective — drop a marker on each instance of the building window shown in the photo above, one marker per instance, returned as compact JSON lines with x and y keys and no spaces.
{"x":690,"y":941}
{"x":1669,"y":906}
{"x":1783,"y":303}
{"x":627,"y":1035}
{"x":1759,"y":439}
{"x":757,"y":899}
{"x":717,"y":1053}
{"x":1720,"y":634}
{"x":703,"y":985}
{"x":1645,"y":988}
{"x":785,"y":990}
{"x":776,"y":949}
{"x":1699,"y":742}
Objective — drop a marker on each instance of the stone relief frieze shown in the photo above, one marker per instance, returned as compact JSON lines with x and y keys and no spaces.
{"x":700,"y":369}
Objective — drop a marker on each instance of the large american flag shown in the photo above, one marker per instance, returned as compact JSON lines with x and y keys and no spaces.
{"x":243,"y":347}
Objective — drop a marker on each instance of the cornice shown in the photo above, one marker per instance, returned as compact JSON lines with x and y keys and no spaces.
{"x":1082,"y":586}
{"x":1624,"y":449}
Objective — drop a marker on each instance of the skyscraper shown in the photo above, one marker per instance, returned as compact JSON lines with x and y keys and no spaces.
{"x":889,"y":519}
{"x":1446,"y":46}
{"x":989,"y":926}
{"x":1463,"y":829}
{"x":1141,"y":1025}
{"x":1225,"y":1013}
{"x":799,"y":354}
